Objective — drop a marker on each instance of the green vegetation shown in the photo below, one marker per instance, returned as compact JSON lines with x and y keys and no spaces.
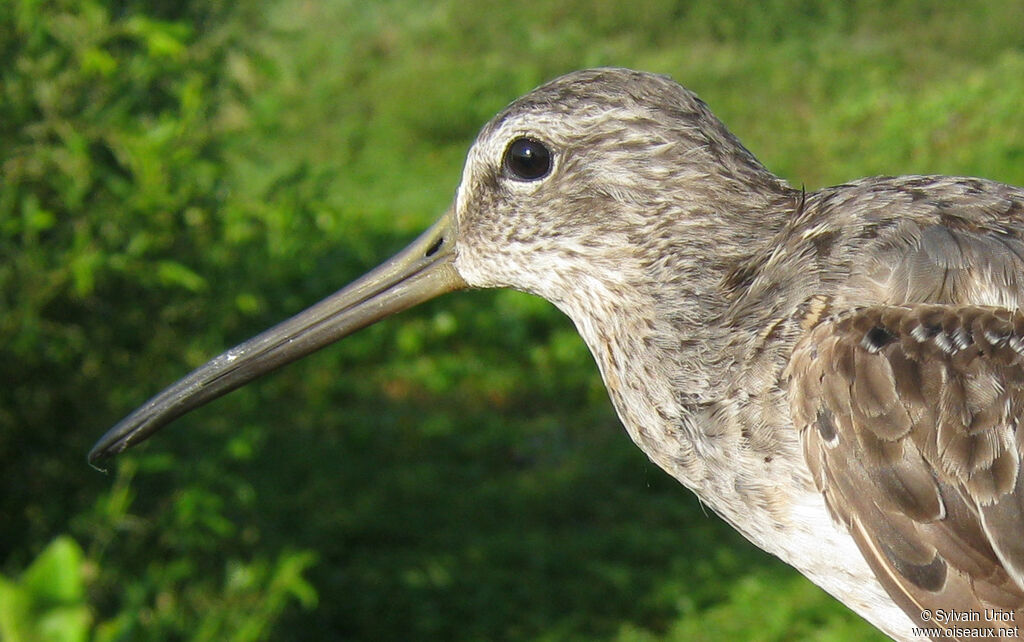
{"x":175,"y":176}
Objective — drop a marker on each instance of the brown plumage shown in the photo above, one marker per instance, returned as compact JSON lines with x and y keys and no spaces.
{"x":838,"y":374}
{"x":908,"y":416}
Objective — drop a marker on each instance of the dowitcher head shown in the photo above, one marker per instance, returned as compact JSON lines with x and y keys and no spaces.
{"x":595,"y":191}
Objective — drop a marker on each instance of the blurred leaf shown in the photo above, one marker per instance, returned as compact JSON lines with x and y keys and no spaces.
{"x":163,"y":39}
{"x":15,"y":612}
{"x":47,"y":602}
{"x":55,"y":577}
{"x":174,"y":273}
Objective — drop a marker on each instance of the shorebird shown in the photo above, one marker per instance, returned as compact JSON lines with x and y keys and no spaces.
{"x":838,"y":374}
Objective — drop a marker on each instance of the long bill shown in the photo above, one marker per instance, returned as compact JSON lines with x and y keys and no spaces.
{"x":422,"y":271}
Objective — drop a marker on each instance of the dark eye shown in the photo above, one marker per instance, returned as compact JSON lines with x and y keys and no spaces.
{"x":527,"y":159}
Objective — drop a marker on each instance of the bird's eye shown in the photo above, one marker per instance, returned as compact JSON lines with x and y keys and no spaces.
{"x":527,"y":159}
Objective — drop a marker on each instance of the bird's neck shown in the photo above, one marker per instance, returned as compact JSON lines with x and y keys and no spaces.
{"x":720,"y":278}
{"x":717,"y":312}
{"x":698,"y":314}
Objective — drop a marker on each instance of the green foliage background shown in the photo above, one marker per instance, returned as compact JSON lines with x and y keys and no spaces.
{"x":175,"y":176}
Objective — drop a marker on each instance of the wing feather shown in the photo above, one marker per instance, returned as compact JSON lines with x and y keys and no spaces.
{"x":908,"y":416}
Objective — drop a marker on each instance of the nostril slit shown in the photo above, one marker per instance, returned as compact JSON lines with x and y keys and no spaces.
{"x":435,"y":247}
